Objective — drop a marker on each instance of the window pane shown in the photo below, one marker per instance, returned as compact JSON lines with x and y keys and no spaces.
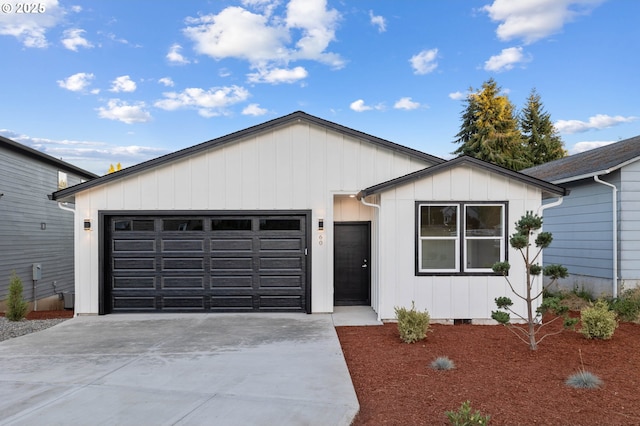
{"x":122,"y":225}
{"x":482,"y":254}
{"x":483,"y":221}
{"x":437,"y":221}
{"x":438,"y":254}
{"x":231,"y":224}
{"x":182,"y":225}
{"x":143,"y":225}
{"x":279,"y":224}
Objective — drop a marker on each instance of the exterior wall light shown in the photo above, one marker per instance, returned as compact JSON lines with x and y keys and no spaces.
{"x":87,"y":224}
{"x":320,"y":224}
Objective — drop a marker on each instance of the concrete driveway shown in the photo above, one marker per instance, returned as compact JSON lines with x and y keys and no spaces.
{"x":177,"y":369}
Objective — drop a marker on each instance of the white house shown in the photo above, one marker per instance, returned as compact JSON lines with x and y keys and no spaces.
{"x":299,"y":214}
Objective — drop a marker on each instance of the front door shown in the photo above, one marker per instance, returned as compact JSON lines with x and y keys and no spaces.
{"x":352,"y":263}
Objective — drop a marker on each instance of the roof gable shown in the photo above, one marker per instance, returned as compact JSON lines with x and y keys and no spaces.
{"x":298,"y":116}
{"x":589,"y":163}
{"x":548,"y":188}
{"x":36,"y":155}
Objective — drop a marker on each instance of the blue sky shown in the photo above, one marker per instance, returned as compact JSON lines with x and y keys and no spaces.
{"x":101,"y":82}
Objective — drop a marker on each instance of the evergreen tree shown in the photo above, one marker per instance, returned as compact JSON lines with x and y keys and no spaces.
{"x":490,"y":129}
{"x":541,"y":140}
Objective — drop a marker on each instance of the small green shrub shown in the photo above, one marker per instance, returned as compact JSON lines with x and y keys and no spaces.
{"x":465,"y":417}
{"x":16,"y":306}
{"x":412,"y":325}
{"x":598,"y":321}
{"x":627,"y":305}
{"x":583,"y":380}
{"x":442,"y":363}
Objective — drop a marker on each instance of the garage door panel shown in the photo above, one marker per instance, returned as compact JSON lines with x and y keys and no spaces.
{"x":183,"y":282}
{"x":144,"y":283}
{"x":147,"y":303}
{"x":231,"y":281}
{"x":134,"y":245}
{"x":281,"y":281}
{"x":133,"y":263}
{"x":195,"y":303}
{"x":183,"y":245}
{"x":196,"y":264}
{"x":280,"y":263}
{"x":231,"y":245}
{"x":207,"y":264}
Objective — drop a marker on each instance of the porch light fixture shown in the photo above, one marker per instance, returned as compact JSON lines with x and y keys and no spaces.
{"x":320,"y":224}
{"x":87,"y":224}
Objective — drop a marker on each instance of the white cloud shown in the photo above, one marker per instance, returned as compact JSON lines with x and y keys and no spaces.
{"x":31,"y":28}
{"x":506,"y":60}
{"x":123,"y":84}
{"x":424,"y":62}
{"x":72,"y":39}
{"x":265,"y":40}
{"x":406,"y":104}
{"x":254,"y":109}
{"x":456,"y":96}
{"x":125,"y":112}
{"x":359,"y":106}
{"x":208,"y":103}
{"x":166,"y":81}
{"x":532,"y":20}
{"x":174,"y":56}
{"x":76,"y":82}
{"x":278,"y":75}
{"x":378,"y":21}
{"x":600,"y":121}
{"x":587,"y":146}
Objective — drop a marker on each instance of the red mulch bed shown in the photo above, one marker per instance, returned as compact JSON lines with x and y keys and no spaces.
{"x":35,"y":315}
{"x":494,"y":370}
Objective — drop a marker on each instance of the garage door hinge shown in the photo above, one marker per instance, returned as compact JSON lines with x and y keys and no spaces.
{"x":305,"y":251}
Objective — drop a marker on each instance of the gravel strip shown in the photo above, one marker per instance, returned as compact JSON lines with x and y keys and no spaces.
{"x":9,"y":329}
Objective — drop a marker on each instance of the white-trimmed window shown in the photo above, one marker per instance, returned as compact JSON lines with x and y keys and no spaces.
{"x":460,"y":237}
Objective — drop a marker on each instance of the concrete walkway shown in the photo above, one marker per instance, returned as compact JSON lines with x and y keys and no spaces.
{"x":175,"y":369}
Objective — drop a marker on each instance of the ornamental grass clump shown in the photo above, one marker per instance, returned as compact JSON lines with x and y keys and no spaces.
{"x":598,"y":321}
{"x":412,"y":325}
{"x":465,"y":417}
{"x":583,"y":380}
{"x":16,"y":306}
{"x":442,"y":363}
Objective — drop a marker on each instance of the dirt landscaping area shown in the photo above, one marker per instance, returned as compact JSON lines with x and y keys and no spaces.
{"x":496,"y":372}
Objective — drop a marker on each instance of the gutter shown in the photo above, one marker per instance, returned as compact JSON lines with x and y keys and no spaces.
{"x":377,"y":206}
{"x":614,"y":208}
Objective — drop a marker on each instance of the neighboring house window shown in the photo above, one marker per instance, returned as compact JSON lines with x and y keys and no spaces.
{"x":458,"y":238}
{"x":62,"y":180}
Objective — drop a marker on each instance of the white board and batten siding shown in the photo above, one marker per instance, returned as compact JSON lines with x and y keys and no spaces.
{"x":447,"y":297}
{"x":300,"y":166}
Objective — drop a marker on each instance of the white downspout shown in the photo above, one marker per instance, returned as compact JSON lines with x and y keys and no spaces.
{"x":614,"y":207}
{"x":546,"y":206}
{"x":64,"y":207}
{"x":377,"y":206}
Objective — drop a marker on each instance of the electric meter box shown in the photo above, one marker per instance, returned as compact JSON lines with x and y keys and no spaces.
{"x":37,"y":271}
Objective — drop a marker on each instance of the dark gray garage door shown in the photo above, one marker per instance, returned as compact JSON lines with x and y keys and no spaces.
{"x":206,"y":263}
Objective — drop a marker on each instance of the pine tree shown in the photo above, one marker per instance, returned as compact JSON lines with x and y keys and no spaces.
{"x":490,"y":129}
{"x":542,"y":141}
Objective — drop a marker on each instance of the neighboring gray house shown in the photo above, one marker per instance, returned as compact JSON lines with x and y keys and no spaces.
{"x":299,"y":214}
{"x":33,"y":229}
{"x":596,"y":228}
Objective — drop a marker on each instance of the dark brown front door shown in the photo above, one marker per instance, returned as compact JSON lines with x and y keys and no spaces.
{"x":352,"y":263}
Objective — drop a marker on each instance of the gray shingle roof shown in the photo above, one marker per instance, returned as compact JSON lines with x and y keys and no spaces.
{"x":588,"y":163}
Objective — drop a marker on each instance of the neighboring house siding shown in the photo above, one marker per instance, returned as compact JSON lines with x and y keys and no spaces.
{"x":24,"y":207}
{"x":582,"y":230}
{"x":455,"y":296}
{"x":629,"y":225}
{"x":300,"y":166}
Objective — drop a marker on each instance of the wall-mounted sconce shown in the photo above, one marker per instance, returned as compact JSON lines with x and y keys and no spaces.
{"x":87,"y":224}
{"x":320,"y":224}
